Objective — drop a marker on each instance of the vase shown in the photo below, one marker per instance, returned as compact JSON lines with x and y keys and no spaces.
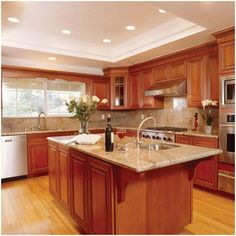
{"x":208,"y":129}
{"x":83,"y":127}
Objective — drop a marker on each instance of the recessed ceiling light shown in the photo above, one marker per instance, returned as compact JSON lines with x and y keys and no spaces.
{"x":66,"y":31}
{"x":13,"y":19}
{"x":161,"y":11}
{"x":52,"y":58}
{"x":130,"y":27}
{"x":106,"y":40}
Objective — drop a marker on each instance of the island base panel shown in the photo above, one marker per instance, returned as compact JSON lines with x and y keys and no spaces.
{"x":159,"y":202}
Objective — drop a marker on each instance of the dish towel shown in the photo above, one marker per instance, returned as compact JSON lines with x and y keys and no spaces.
{"x":85,"y":139}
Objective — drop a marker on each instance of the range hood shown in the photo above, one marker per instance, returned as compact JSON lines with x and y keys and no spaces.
{"x":175,"y":87}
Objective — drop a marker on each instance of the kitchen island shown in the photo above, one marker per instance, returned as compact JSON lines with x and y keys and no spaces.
{"x":133,"y":192}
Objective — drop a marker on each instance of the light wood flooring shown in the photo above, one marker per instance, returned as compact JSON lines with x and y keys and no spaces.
{"x":28,"y":208}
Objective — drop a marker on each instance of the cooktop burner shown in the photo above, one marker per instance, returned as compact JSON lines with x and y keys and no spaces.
{"x":167,"y":128}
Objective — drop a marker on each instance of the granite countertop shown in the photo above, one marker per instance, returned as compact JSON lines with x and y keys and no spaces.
{"x":189,"y":133}
{"x":142,"y":160}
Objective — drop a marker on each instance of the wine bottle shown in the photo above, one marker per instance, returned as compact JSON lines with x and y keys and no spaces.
{"x":109,"y":136}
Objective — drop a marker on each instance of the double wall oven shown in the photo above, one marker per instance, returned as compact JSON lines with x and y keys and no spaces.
{"x":226,"y":176}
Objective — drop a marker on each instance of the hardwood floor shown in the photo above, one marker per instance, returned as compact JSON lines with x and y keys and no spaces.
{"x":28,"y":208}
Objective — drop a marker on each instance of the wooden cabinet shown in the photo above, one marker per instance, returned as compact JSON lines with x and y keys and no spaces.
{"x":100,"y":182}
{"x":101,"y":89}
{"x":146,"y":80}
{"x":225,"y":40}
{"x":177,"y":70}
{"x":184,"y":139}
{"x":131,"y":133}
{"x":119,"y":87}
{"x":195,"y":81}
{"x":37,"y":146}
{"x":79,"y":189}
{"x":206,"y":172}
{"x":135,"y":90}
{"x":161,"y":73}
{"x":212,"y":78}
{"x":226,"y":57}
{"x":58,"y":160}
{"x":64,"y":182}
{"x":53,"y":169}
{"x":37,"y":155}
{"x":91,"y":193}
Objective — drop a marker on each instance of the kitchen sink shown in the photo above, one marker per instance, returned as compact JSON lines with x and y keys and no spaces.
{"x":158,"y":146}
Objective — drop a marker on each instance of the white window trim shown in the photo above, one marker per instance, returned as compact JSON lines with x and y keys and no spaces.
{"x":45,"y":110}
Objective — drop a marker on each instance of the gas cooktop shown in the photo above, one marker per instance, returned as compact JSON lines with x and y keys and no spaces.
{"x":167,"y":128}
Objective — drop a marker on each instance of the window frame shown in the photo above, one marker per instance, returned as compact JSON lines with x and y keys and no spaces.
{"x":45,"y":100}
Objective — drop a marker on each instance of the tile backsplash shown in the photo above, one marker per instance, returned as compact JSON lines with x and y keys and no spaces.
{"x":175,"y":113}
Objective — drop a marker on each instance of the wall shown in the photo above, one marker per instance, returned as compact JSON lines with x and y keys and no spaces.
{"x":175,"y":113}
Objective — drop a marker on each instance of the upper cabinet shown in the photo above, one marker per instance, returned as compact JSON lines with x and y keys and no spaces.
{"x":101,"y":89}
{"x":225,"y":40}
{"x":135,"y":90}
{"x":119,"y":87}
{"x":202,"y":79}
{"x":174,"y":70}
{"x":177,"y":70}
{"x":195,"y":81}
{"x":161,"y":72}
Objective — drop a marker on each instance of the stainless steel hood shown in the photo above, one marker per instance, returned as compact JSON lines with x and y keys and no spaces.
{"x":175,"y":87}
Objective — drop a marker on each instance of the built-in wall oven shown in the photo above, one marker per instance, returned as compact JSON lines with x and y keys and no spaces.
{"x":227,"y":91}
{"x":227,"y":138}
{"x":226,"y":175}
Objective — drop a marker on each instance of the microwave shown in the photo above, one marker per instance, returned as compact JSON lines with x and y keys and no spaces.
{"x":227,"y":91}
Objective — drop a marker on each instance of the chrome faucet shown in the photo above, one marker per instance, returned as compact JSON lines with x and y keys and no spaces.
{"x":39,"y":119}
{"x":138,"y":132}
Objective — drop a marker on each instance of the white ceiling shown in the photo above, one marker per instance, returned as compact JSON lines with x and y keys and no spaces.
{"x":38,"y":35}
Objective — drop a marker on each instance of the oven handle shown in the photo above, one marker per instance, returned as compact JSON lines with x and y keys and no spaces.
{"x":227,"y":176}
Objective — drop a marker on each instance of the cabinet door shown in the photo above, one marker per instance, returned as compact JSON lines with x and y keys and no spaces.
{"x":38,"y":158}
{"x":100,"y":197}
{"x":131,"y":133}
{"x":161,"y":73}
{"x":177,"y":70}
{"x":101,"y":89}
{"x":212,"y":77}
{"x":79,"y":191}
{"x":226,"y":57}
{"x":195,"y":81}
{"x":64,"y":176}
{"x":53,"y":169}
{"x":119,"y":95}
{"x":206,"y":172}
{"x":146,"y":80}
{"x":184,"y":139}
{"x":135,"y":90}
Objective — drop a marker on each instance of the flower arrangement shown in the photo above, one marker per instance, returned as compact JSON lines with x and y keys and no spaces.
{"x":83,"y":108}
{"x":208,"y":104}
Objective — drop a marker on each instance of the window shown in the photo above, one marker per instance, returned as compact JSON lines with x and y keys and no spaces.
{"x":28,"y":97}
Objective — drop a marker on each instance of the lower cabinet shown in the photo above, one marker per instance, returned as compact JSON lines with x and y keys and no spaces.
{"x":206,"y":172}
{"x":91,"y":193}
{"x":59,"y":185}
{"x":37,"y":146}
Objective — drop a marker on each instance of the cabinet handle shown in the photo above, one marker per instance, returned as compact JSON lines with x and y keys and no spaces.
{"x":8,"y":140}
{"x":226,"y":176}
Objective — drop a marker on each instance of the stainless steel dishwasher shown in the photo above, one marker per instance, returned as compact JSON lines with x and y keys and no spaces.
{"x":14,"y":156}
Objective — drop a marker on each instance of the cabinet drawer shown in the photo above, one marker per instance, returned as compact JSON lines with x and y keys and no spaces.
{"x":184,"y":139}
{"x":206,"y":142}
